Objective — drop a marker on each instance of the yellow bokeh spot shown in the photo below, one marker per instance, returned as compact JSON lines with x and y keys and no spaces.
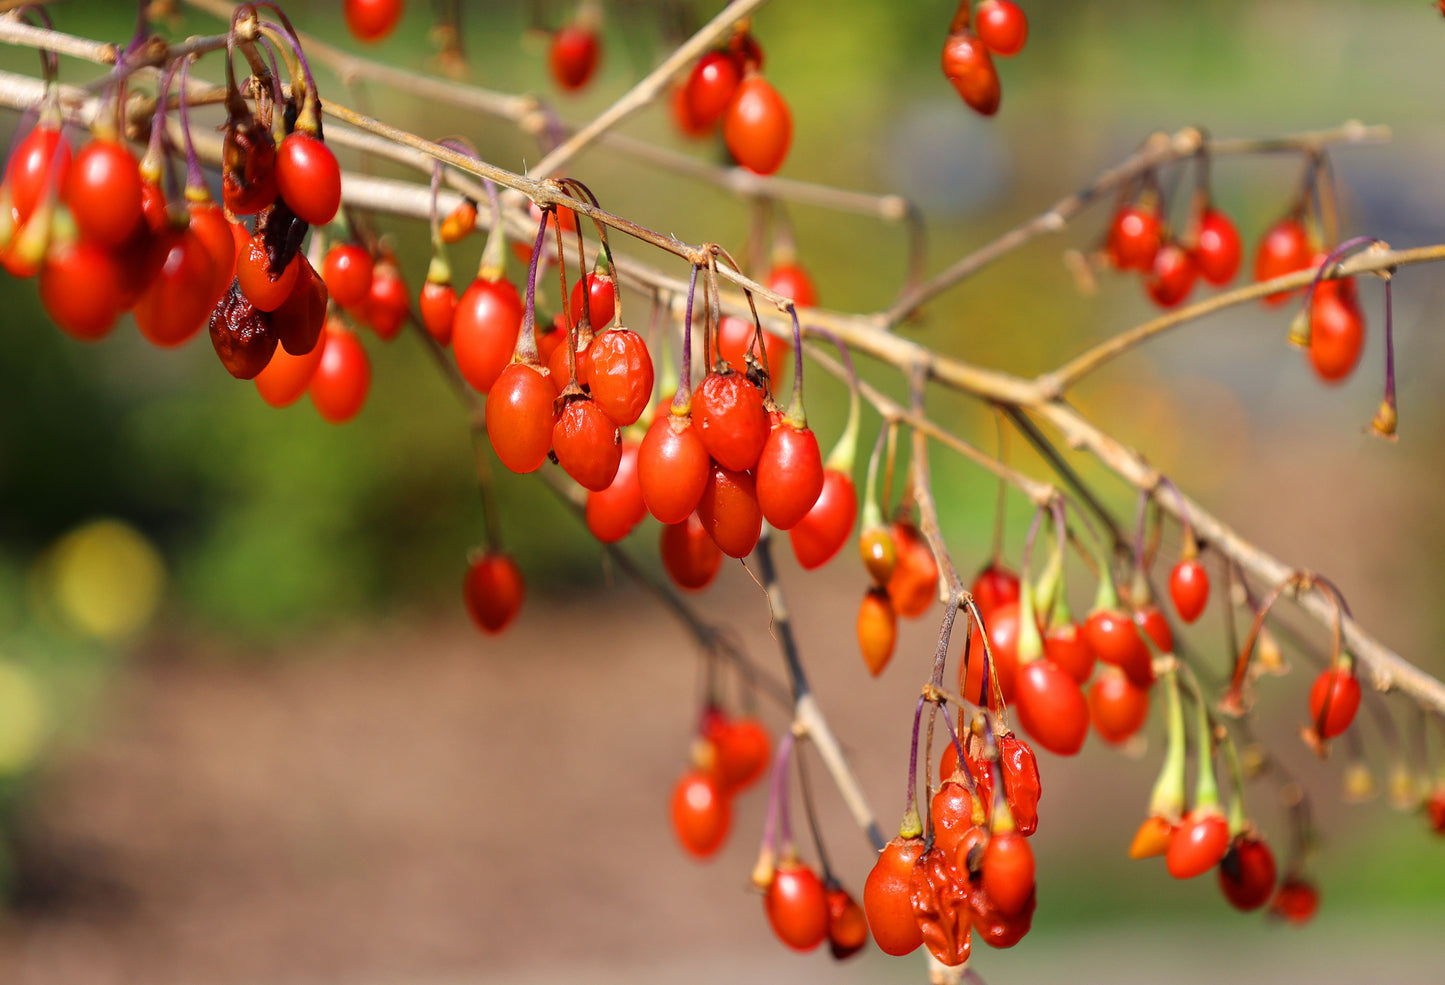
{"x":106,"y":579}
{"x":23,"y":717}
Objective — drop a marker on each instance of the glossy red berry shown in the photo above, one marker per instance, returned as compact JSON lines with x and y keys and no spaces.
{"x":1337,"y":330}
{"x":347,"y":271}
{"x":757,"y":126}
{"x":728,"y":413}
{"x":103,"y":191}
{"x":265,"y":288}
{"x":797,"y":906}
{"x":729,"y":511}
{"x":1189,"y":588}
{"x":994,"y":586}
{"x":682,"y":116}
{"x":372,"y":20}
{"x":1114,"y":639}
{"x":1134,"y":238}
{"x":81,"y":289}
{"x":847,"y":924}
{"x":587,"y":444}
{"x":248,"y":167}
{"x":1003,"y":638}
{"x":308,"y":178}
{"x":790,"y":475}
{"x":824,"y":530}
{"x":877,"y":629}
{"x":1198,"y":843}
{"x":484,"y":331}
{"x":620,"y":375}
{"x":1247,"y":873}
{"x":562,"y":373}
{"x":601,"y":301}
{"x":177,"y":299}
{"x":438,"y":305}
{"x":1067,"y":649}
{"x":612,"y":513}
{"x":286,"y":377}
{"x":968,"y":65}
{"x":1218,"y":251}
{"x":792,"y":281}
{"x":701,"y":813}
{"x":215,"y":231}
{"x":672,"y":467}
{"x":520,"y":418}
{"x":1172,"y":276}
{"x":1002,"y":26}
{"x":1117,"y":706}
{"x":493,"y":591}
{"x":888,"y":897}
{"x":740,"y":747}
{"x":710,"y":87}
{"x":388,"y":303}
{"x":298,"y":322}
{"x":689,"y":555}
{"x":1051,"y":707}
{"x":1334,"y":699}
{"x":1283,"y":250}
{"x":573,"y":56}
{"x":1008,"y":871}
{"x":952,"y":812}
{"x":342,"y":378}
{"x":40,"y":162}
{"x":913,"y":585}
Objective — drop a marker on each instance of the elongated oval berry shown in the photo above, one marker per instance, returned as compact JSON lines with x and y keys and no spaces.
{"x":493,"y":591}
{"x":343,"y":378}
{"x":1283,"y":250}
{"x":573,"y":56}
{"x":613,"y":512}
{"x":1115,"y":640}
{"x":1337,"y":330}
{"x":1247,"y":873}
{"x":1002,"y":26}
{"x":1008,"y":871}
{"x":298,"y":322}
{"x":1067,"y":649}
{"x":741,"y":748}
{"x":797,"y":906}
{"x":819,"y":535}
{"x":242,"y":335}
{"x":994,"y":586}
{"x":601,"y":300}
{"x":847,"y":925}
{"x":914,"y":582}
{"x":757,"y":127}
{"x":81,"y":289}
{"x":214,"y":230}
{"x":1189,"y":588}
{"x":888,"y":897}
{"x":968,"y":65}
{"x":730,"y":419}
{"x":103,"y":190}
{"x":619,"y":373}
{"x":347,"y":271}
{"x":372,"y":20}
{"x":1218,"y":251}
{"x":438,"y":304}
{"x":177,"y":298}
{"x":587,"y":444}
{"x":689,"y":555}
{"x":39,"y":162}
{"x":877,"y":629}
{"x":286,"y":377}
{"x":790,"y":475}
{"x":672,"y":468}
{"x":1198,"y":844}
{"x":701,"y":813}
{"x":729,"y":511}
{"x":484,"y":331}
{"x":1003,"y":639}
{"x":264,"y":287}
{"x":952,"y":812}
{"x":520,"y":418}
{"x":1334,"y":699}
{"x":1051,"y":707}
{"x":1117,"y":706}
{"x":308,"y":178}
{"x":1133,"y":238}
{"x":387,"y":303}
{"x":1172,"y":276}
{"x":710,"y":87}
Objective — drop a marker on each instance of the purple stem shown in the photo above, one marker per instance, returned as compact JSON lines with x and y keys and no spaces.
{"x":1183,"y":504}
{"x":526,"y":350}
{"x":1139,"y":527}
{"x":1332,"y":258}
{"x":195,"y":178}
{"x":957,"y":748}
{"x":795,"y":407}
{"x":295,"y":46}
{"x":682,"y":400}
{"x":778,"y":797}
{"x":1389,"y":344}
{"x":910,"y":801}
{"x":945,"y":632}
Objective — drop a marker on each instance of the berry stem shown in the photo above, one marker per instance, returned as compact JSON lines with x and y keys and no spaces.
{"x":845,"y":452}
{"x":195,"y":177}
{"x":872,"y":514}
{"x":812,"y":814}
{"x":957,"y":750}
{"x":682,"y":399}
{"x":795,"y":415}
{"x":1167,"y":798}
{"x":1206,"y":788}
{"x":526,"y":350}
{"x":910,"y":799}
{"x":1387,"y":416}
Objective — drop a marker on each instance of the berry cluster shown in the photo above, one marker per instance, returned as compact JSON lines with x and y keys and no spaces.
{"x":998,"y":27}
{"x":727,"y":86}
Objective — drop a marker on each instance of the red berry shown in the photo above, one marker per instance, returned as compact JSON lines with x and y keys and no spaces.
{"x":612,"y":513}
{"x":1134,"y":238}
{"x":493,"y":591}
{"x":757,"y":126}
{"x":672,"y":468}
{"x":103,"y":191}
{"x":308,"y":178}
{"x":601,"y":300}
{"x":1296,"y":900}
{"x":484,"y":331}
{"x":39,"y":162}
{"x":263,"y":287}
{"x":728,"y":413}
{"x":1051,"y":707}
{"x":888,"y":897}
{"x":372,"y":20}
{"x":620,"y":375}
{"x":1003,"y":638}
{"x":689,"y":555}
{"x":1067,"y":649}
{"x":1218,"y":250}
{"x":1117,"y":706}
{"x":1008,"y":871}
{"x":286,"y":377}
{"x":587,"y":444}
{"x":573,"y":56}
{"x":1197,"y":844}
{"x":792,"y":281}
{"x":1283,"y":250}
{"x":1172,"y":276}
{"x":341,"y":381}
{"x":952,"y":811}
{"x":347,"y":271}
{"x":729,"y":511}
{"x":438,"y":304}
{"x":1189,"y":588}
{"x":741,"y":749}
{"x":701,"y":813}
{"x":736,"y":338}
{"x":1002,"y":26}
{"x":797,"y":906}
{"x":847,"y":925}
{"x":790,"y":475}
{"x":968,"y":65}
{"x":1115,"y":640}
{"x":710,"y":87}
{"x":387,"y":302}
{"x":248,"y":168}
{"x":914,"y":583}
{"x":994,"y":586}
{"x":1334,"y":699}
{"x":520,"y":418}
{"x":81,"y":289}
{"x":825,"y":529}
{"x":298,"y":322}
{"x":877,"y":629}
{"x":177,"y":299}
{"x":682,"y":116}
{"x":1337,"y":330}
{"x":214,"y":230}
{"x":1246,"y":873}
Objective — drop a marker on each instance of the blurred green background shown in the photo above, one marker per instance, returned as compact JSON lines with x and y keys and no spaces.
{"x":281,"y":534}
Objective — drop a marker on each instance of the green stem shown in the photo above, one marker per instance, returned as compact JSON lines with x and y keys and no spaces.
{"x":1167,"y":798}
